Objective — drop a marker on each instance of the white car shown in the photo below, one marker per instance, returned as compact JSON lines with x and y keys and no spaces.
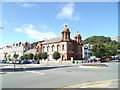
{"x":10,"y":61}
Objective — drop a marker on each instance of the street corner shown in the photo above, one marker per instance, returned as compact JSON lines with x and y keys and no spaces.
{"x":100,"y":84}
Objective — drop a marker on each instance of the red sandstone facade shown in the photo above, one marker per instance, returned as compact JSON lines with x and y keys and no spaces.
{"x":65,"y":46}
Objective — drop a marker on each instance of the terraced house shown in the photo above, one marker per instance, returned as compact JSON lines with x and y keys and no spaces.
{"x":16,"y":48}
{"x":67,"y":47}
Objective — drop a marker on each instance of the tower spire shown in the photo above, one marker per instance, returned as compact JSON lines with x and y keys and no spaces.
{"x":65,"y":25}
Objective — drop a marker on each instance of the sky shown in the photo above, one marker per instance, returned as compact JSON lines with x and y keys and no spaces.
{"x":34,"y":21}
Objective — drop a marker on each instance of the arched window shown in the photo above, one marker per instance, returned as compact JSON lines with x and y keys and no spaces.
{"x":37,"y":49}
{"x":58,"y":47}
{"x":48,"y":48}
{"x":43,"y":49}
{"x":63,"y":47}
{"x":53,"y":48}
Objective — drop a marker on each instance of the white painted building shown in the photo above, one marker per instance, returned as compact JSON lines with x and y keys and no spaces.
{"x":18,"y":48}
{"x":116,"y":39}
{"x":86,"y":50}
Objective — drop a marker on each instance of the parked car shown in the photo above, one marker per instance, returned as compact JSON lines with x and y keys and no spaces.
{"x":21,"y":61}
{"x":0,"y":61}
{"x":13,"y":61}
{"x":17,"y":61}
{"x":102,"y":60}
{"x":26,"y":62}
{"x":7,"y":61}
{"x":117,"y":60}
{"x":108,"y":59}
{"x":35,"y":61}
{"x":10,"y":61}
{"x":4,"y":61}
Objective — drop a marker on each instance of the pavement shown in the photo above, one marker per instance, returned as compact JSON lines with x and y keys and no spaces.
{"x":100,"y":84}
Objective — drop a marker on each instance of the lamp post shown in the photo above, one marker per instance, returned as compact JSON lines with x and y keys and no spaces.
{"x":15,"y":58}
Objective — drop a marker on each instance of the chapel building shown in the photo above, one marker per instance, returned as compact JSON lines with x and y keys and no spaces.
{"x":64,"y":45}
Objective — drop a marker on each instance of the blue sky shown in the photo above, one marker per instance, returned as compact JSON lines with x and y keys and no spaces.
{"x":25,"y":21}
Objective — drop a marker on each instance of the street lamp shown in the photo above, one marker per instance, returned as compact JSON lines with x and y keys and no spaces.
{"x":15,"y":58}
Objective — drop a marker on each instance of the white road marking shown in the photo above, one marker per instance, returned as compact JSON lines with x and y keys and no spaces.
{"x":42,"y":73}
{"x":28,"y":76}
{"x":36,"y":73}
{"x":31,"y":71}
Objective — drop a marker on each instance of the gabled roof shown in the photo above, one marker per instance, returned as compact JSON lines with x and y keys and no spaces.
{"x":57,"y":39}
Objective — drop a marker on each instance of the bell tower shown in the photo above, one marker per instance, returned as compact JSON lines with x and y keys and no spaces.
{"x":65,"y":34}
{"x":78,"y":37}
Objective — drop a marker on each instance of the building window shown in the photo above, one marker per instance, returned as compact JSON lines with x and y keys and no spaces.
{"x":63,"y":47}
{"x":53,"y":48}
{"x":58,"y":48}
{"x":48,"y":48}
{"x":13,"y":44}
{"x":43,"y":49}
{"x":38,"y":49}
{"x":16,"y":44}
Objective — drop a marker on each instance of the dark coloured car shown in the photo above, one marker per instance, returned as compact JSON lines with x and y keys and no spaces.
{"x":103,"y":60}
{"x":21,"y":61}
{"x":26,"y":62}
{"x":35,"y":61}
{"x":4,"y":61}
{"x":117,"y":60}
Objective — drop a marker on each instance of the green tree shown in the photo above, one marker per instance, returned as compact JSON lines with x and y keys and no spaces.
{"x":25,"y":56}
{"x":39,"y":56}
{"x":17,"y":55}
{"x":9,"y":56}
{"x":22,"y":57}
{"x":30,"y":56}
{"x":56,"y":55}
{"x":44,"y":55}
{"x":118,"y":47}
{"x":113,"y":42}
{"x":98,"y":50}
{"x":97,"y":39}
{"x":113,"y":50}
{"x":107,"y":46}
{"x":35,"y":56}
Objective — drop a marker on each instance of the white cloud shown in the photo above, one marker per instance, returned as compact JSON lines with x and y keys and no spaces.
{"x":18,"y":29}
{"x":44,"y":27}
{"x":68,"y":12}
{"x":35,"y":34}
{"x":28,"y":5}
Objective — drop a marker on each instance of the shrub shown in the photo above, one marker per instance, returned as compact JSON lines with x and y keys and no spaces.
{"x":56,"y":55}
{"x":44,"y":55}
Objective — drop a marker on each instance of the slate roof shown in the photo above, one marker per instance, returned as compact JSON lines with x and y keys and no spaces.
{"x":57,"y":39}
